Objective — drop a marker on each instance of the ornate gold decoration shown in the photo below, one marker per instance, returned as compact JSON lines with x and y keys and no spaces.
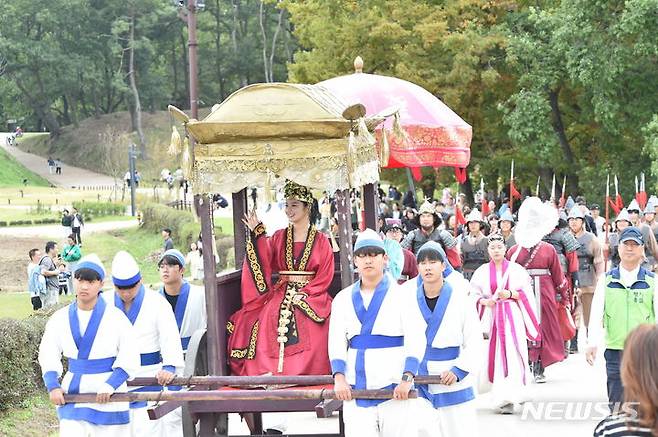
{"x":292,"y":190}
{"x":230,"y":327}
{"x":254,"y":267}
{"x":175,"y":142}
{"x":308,"y":246}
{"x":259,"y":230}
{"x":306,"y":309}
{"x":250,"y":351}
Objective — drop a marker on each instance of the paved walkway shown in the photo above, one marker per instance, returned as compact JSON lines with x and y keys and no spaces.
{"x":569,"y":404}
{"x":71,"y":177}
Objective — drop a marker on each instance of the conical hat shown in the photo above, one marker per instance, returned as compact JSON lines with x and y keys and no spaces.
{"x":474,"y":216}
{"x":507,"y":216}
{"x":535,"y":220}
{"x":623,"y":216}
{"x":575,"y":213}
{"x":633,"y":206}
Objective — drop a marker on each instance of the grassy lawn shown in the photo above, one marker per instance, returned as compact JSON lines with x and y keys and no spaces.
{"x":36,"y":418}
{"x":12,"y":214}
{"x":13,"y":173}
{"x":57,"y":197}
{"x":18,"y":306}
{"x":223,"y":225}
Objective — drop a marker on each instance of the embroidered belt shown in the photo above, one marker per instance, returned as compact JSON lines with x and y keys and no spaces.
{"x":300,"y":277}
{"x":375,"y":341}
{"x":538,"y":272}
{"x":150,"y":358}
{"x":441,"y":354}
{"x":89,"y":367}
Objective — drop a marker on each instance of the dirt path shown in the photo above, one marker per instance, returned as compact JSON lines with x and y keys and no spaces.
{"x":58,"y":231}
{"x":70,"y":177}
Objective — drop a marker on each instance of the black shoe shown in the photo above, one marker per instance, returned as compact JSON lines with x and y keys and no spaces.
{"x":271,"y":431}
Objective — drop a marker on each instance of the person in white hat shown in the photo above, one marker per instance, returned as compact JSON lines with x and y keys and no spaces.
{"x":451,"y":330}
{"x":506,"y":225}
{"x":621,"y":222}
{"x":376,"y":341}
{"x":649,"y":217}
{"x":535,"y":220}
{"x":155,"y":334}
{"x":650,"y":243}
{"x":428,"y":222}
{"x":590,"y":266}
{"x":473,"y":244}
{"x":98,"y":342}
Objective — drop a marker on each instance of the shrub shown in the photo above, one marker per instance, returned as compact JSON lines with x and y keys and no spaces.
{"x":3,"y":223}
{"x":99,"y":209}
{"x":183,"y":227}
{"x":20,"y":374}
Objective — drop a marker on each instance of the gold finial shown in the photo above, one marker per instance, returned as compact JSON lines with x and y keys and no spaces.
{"x":358,"y":64}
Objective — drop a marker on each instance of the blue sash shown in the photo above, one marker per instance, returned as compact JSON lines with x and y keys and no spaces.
{"x":84,"y":342}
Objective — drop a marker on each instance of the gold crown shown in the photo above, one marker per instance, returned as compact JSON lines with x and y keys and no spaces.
{"x":292,"y":190}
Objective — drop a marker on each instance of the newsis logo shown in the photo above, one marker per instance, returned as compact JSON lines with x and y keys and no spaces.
{"x":575,"y":410}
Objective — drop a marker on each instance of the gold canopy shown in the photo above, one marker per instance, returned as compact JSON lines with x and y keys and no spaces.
{"x":265,"y":133}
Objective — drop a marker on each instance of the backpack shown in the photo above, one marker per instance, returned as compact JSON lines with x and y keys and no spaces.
{"x":67,"y":220}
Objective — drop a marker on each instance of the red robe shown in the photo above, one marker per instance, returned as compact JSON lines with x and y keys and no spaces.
{"x":543,"y":257}
{"x":410,"y":268}
{"x":253,"y":348}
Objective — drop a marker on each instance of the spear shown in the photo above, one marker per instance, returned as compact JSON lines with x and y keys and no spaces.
{"x":607,"y":217}
{"x":537,"y":189}
{"x":553,"y":189}
{"x":511,"y":187}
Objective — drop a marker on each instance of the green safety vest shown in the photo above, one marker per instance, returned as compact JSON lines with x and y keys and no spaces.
{"x":625,"y":308}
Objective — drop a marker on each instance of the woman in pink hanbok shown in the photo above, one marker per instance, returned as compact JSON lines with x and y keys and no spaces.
{"x":505,"y":303}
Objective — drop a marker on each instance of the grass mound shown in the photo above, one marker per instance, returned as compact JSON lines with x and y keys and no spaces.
{"x":13,"y":174}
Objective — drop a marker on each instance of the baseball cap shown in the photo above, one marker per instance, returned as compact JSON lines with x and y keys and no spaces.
{"x":631,"y":233}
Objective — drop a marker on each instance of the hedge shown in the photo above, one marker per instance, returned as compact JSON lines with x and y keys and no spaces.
{"x":184,"y":229}
{"x":99,"y":209}
{"x":20,"y":374}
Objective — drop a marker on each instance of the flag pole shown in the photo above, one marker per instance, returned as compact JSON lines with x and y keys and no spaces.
{"x":537,"y":189}
{"x":553,"y":190}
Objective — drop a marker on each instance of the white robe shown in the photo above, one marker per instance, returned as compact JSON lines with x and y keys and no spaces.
{"x":388,"y":345}
{"x":158,"y":341}
{"x":102,"y":356}
{"x":507,"y":350}
{"x":190,"y":311}
{"x":453,"y":339}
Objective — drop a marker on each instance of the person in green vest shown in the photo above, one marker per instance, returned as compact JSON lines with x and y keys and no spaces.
{"x":71,"y":255}
{"x":625,"y":297}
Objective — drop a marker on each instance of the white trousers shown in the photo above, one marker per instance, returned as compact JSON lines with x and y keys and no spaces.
{"x":141,"y":425}
{"x":453,"y":421}
{"x":172,"y":424}
{"x":392,"y":418}
{"x":80,"y":428}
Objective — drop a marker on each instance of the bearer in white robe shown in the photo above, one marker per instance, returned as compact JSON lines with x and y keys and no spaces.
{"x":453,"y":338}
{"x":370,"y":346}
{"x":189,"y":305}
{"x":156,"y":336}
{"x":187,"y":301}
{"x":505,"y":302}
{"x":99,"y":343}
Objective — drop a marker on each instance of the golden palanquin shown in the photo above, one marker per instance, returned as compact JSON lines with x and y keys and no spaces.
{"x":265,"y":133}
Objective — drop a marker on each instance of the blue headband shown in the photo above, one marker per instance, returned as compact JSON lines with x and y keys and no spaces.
{"x":174,"y":253}
{"x":92,"y":266}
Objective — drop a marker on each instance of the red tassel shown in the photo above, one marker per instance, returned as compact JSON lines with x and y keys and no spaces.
{"x":485,"y":207}
{"x":460,"y":175}
{"x":515,"y":193}
{"x":619,"y":202}
{"x":461,"y":220}
{"x":416,"y":173}
{"x":614,"y":206}
{"x":641,"y":198}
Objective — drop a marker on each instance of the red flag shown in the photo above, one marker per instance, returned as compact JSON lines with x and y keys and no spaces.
{"x":416,"y":173}
{"x":460,"y":175}
{"x":613,"y":205}
{"x":461,"y":220}
{"x":641,"y":198}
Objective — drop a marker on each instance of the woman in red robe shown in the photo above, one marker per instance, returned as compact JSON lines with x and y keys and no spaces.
{"x":282,"y":327}
{"x":540,"y":260}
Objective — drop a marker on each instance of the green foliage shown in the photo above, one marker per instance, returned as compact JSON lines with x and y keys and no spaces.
{"x":183,"y":227}
{"x":13,"y":173}
{"x":99,"y":209}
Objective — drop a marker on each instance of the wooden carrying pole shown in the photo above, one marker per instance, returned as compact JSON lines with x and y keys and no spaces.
{"x":232,"y":395}
{"x":251,"y":381}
